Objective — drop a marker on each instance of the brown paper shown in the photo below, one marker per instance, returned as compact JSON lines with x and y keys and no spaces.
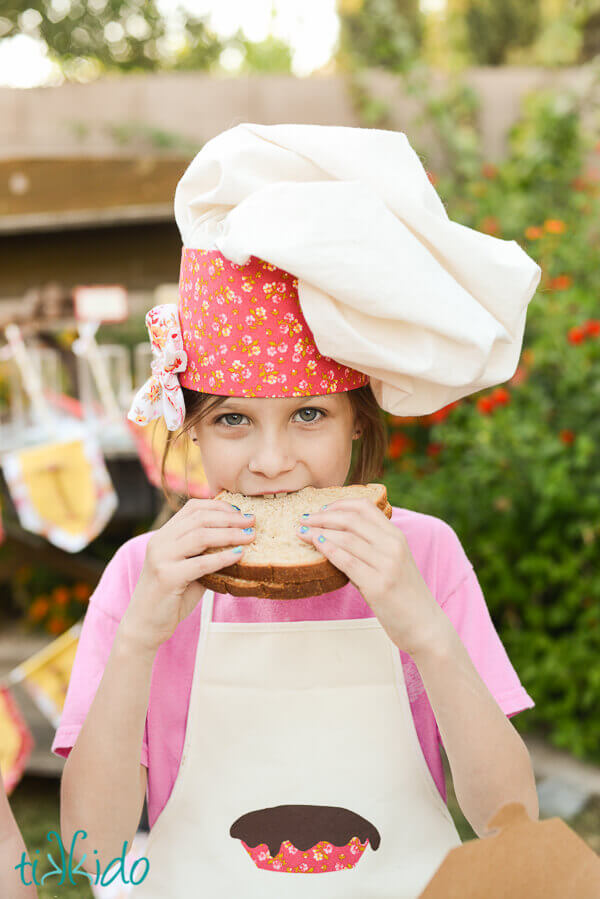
{"x":522,"y":859}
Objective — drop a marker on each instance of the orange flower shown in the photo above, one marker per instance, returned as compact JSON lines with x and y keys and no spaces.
{"x":38,"y":608}
{"x":485,"y":404}
{"x":489,"y":170}
{"x":500,"y":396}
{"x":399,"y":444}
{"x":561,"y":282}
{"x":432,"y":177}
{"x":592,"y":327}
{"x":587,"y":183}
{"x":576,"y":335}
{"x":60,"y":595}
{"x":57,"y":625}
{"x":567,"y":436}
{"x":434,"y":448}
{"x":490,"y":225}
{"x":81,"y":591}
{"x":403,"y":420}
{"x":533,"y":232}
{"x":555,"y":226}
{"x":528,"y":356}
{"x":440,"y":414}
{"x":519,"y":376}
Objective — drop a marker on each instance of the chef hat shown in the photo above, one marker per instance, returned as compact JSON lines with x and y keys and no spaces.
{"x":381,"y":285}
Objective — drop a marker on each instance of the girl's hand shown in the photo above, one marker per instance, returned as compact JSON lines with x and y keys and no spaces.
{"x":374,"y":554}
{"x":167,"y":589}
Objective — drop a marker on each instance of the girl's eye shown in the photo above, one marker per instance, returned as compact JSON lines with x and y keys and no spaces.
{"x":311,"y":409}
{"x":229,"y":415}
{"x":238,"y":415}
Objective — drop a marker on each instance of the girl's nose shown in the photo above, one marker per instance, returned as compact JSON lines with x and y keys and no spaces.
{"x":271,"y":462}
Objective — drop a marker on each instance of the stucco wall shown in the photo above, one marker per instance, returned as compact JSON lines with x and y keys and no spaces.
{"x":198,"y":106}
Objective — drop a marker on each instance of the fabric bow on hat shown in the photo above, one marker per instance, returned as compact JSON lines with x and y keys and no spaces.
{"x":161,"y":394}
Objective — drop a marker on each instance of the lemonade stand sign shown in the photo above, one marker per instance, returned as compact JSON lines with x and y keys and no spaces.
{"x":60,"y":486}
{"x":46,"y":674}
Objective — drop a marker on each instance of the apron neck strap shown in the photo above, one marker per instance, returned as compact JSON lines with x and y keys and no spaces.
{"x":207,"y":609}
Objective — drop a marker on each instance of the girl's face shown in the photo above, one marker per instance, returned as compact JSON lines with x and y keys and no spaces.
{"x":265,"y":444}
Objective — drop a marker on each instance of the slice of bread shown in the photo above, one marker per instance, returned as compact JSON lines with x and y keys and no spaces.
{"x":278,"y":564}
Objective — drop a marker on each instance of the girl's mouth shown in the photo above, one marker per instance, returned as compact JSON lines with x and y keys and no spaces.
{"x":272,"y":495}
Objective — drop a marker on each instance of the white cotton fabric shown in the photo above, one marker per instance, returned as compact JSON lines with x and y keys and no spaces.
{"x":430,"y":309}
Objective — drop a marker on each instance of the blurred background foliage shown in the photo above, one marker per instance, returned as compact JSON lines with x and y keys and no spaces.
{"x":88,"y":38}
{"x":385,"y":33}
{"x":515,"y":469}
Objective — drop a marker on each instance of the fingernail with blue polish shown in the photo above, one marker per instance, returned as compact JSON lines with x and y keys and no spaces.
{"x":236,"y":507}
{"x":321,"y":538}
{"x":303,"y":529}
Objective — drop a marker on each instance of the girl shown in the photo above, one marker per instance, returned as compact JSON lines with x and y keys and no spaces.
{"x":302,"y":736}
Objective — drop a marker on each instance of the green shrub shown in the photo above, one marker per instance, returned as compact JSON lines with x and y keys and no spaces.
{"x":516,"y":469}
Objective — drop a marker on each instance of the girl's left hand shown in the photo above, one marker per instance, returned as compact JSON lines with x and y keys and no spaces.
{"x":374,"y":554}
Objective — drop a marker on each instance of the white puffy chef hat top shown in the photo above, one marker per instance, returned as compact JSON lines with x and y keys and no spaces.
{"x":430,"y":309}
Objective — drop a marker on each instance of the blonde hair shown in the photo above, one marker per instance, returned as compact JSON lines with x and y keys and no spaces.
{"x":368,"y":451}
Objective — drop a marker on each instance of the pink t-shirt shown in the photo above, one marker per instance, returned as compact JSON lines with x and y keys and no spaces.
{"x":444,"y":566}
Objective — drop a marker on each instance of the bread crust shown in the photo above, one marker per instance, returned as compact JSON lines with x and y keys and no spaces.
{"x":261,"y":589}
{"x":271,"y":581}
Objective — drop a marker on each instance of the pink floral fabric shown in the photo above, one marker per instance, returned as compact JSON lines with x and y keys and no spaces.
{"x":321,"y":858}
{"x":245,"y":334}
{"x":161,"y":394}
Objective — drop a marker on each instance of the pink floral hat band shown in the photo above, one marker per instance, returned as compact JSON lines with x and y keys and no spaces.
{"x":239,"y":330}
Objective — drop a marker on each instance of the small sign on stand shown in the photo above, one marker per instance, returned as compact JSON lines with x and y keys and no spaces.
{"x":93,"y":305}
{"x":100,"y":302}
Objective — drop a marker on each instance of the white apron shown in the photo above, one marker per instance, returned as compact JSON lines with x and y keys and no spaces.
{"x":313,"y":717}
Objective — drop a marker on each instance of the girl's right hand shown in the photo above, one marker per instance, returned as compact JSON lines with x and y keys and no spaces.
{"x":167,"y":589}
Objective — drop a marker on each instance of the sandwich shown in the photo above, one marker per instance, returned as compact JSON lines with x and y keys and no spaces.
{"x":278,"y":563}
